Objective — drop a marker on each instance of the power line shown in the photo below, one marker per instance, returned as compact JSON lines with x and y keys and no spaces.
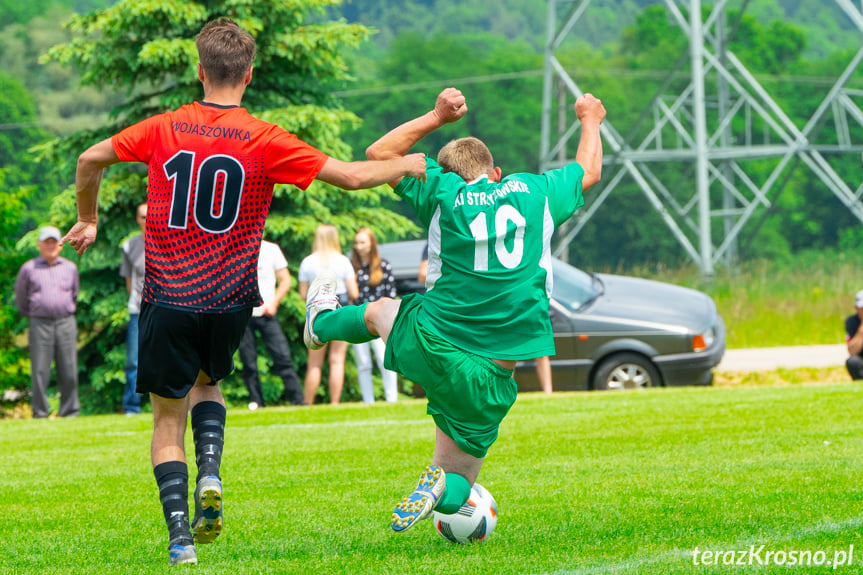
{"x":487,"y":78}
{"x":612,"y":72}
{"x":19,"y":125}
{"x":438,"y":83}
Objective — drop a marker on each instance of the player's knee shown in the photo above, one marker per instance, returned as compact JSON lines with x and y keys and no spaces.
{"x":380,"y":314}
{"x":375,"y":308}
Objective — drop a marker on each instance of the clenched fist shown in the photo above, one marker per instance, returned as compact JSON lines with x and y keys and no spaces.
{"x":589,"y":108}
{"x":450,"y":105}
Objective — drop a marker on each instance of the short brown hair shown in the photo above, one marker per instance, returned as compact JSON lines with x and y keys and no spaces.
{"x":467,"y":157}
{"x":226,"y":51}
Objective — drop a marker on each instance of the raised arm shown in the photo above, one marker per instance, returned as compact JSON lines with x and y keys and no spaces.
{"x":591,"y":112}
{"x":87,"y":180}
{"x":360,"y":175}
{"x":449,"y":107}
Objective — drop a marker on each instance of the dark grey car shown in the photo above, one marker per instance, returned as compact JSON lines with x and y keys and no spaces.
{"x":610,"y":331}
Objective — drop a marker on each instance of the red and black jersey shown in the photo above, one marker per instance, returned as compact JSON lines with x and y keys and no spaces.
{"x":211,"y":175}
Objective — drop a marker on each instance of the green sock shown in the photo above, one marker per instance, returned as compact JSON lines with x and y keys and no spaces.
{"x":344,"y":324}
{"x":454,"y":496}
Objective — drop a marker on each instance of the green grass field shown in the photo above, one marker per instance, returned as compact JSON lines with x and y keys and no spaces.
{"x":586,"y":483}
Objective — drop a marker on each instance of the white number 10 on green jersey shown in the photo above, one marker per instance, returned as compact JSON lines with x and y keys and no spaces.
{"x":479,"y":230}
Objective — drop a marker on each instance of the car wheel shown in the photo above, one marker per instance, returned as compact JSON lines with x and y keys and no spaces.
{"x":626,"y":371}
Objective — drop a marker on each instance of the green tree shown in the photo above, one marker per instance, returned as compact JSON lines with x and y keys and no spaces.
{"x":20,"y":130}
{"x":19,"y":133}
{"x":18,"y":12}
{"x":146,"y":49}
{"x":14,"y":365}
{"x":63,"y":106}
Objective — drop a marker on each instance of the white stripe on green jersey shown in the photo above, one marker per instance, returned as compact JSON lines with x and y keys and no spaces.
{"x":489,"y":267}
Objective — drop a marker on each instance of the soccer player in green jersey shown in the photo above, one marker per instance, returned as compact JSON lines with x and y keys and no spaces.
{"x":487,"y":288}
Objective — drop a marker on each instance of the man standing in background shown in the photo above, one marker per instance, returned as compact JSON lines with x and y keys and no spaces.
{"x":854,"y":338}
{"x":272,"y":266}
{"x":132,"y":268}
{"x":46,"y":291}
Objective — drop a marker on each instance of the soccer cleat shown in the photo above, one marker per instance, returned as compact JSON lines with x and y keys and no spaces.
{"x":419,"y":504}
{"x":183,"y":555}
{"x":321,"y":296}
{"x":208,"y":510}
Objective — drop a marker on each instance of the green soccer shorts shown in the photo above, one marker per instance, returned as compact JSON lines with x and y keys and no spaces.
{"x":468,"y":395}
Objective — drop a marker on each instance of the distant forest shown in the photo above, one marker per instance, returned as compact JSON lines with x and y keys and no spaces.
{"x":493,"y":49}
{"x":825,"y":24}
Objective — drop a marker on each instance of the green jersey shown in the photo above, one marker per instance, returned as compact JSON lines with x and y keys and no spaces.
{"x":489,"y":267}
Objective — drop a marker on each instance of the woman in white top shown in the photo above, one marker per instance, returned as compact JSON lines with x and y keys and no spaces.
{"x":327,"y":255}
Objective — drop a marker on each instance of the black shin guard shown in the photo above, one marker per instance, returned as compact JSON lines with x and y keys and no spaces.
{"x":208,"y":428}
{"x":172,"y":477}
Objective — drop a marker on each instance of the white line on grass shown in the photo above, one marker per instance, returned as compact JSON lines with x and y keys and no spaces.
{"x":776,"y":538}
{"x":366,"y":423}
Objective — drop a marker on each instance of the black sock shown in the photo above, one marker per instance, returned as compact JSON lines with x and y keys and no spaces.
{"x":172,"y":477}
{"x":208,"y":427}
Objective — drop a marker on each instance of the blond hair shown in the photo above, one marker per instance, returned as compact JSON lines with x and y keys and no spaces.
{"x":467,"y":157}
{"x":376,"y":271}
{"x":326,"y":242}
{"x":226,"y":52}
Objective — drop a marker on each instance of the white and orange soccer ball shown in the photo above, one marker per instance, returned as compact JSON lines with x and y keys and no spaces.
{"x":475,"y":521}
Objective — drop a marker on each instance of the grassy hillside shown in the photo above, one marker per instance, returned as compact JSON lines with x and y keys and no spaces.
{"x":766,"y":303}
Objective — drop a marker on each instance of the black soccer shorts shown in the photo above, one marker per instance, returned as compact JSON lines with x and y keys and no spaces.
{"x":174,"y":345}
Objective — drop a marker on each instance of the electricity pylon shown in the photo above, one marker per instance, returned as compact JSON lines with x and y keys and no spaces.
{"x":716,"y":122}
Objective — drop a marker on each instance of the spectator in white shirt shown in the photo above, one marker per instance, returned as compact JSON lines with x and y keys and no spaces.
{"x":272,"y":267}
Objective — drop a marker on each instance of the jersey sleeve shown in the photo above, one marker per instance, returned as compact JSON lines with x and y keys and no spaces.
{"x":136,"y":143}
{"x":279,"y":260}
{"x":421,"y":195}
{"x":562,"y":187}
{"x":564,"y":191}
{"x":289,"y":160}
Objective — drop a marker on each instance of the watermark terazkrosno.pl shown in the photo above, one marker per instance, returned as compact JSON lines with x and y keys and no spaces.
{"x":761,"y":555}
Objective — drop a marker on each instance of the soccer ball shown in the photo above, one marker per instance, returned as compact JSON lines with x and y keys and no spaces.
{"x":475,"y":520}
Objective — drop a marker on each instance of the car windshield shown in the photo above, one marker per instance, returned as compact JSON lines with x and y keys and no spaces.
{"x":574,"y":288}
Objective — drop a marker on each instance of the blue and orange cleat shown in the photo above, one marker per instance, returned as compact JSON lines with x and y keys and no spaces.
{"x":420,"y":504}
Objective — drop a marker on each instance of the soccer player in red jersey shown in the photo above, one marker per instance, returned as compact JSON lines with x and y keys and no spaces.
{"x":212,"y":168}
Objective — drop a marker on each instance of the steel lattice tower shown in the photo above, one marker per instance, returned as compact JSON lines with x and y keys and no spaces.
{"x":715,"y":134}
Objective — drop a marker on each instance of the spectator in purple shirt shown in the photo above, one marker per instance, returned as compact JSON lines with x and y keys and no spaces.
{"x":46,"y":291}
